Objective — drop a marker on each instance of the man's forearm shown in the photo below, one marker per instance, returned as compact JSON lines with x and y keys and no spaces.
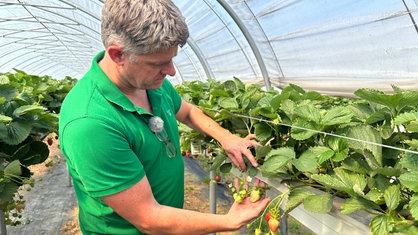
{"x":172,"y":221}
{"x":199,"y":121}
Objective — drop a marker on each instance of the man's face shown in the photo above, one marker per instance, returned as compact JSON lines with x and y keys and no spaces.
{"x":149,"y":71}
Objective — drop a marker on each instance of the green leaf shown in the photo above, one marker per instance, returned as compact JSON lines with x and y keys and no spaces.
{"x":392,"y":196}
{"x":309,"y":112}
{"x":13,"y":168}
{"x":295,"y":198}
{"x":405,"y":229}
{"x":276,"y":102}
{"x":307,"y":162}
{"x":381,"y":225}
{"x":410,"y":180}
{"x":337,"y":115}
{"x":219,"y":159}
{"x":413,"y":143}
{"x":288,"y":107}
{"x":4,"y":79}
{"x":6,"y":193}
{"x":406,"y":117}
{"x":262,"y":151}
{"x":318,"y":203}
{"x":413,"y":205}
{"x":230,"y":86}
{"x":321,"y":153}
{"x":252,"y":171}
{"x":367,"y":138}
{"x":354,"y":204}
{"x":409,"y":98}
{"x":355,"y":182}
{"x":225,"y":168}
{"x":228,"y":103}
{"x":285,"y":153}
{"x":412,"y":126}
{"x":302,"y":130}
{"x":15,"y":132}
{"x":312,"y":95}
{"x":377,"y":116}
{"x":379,"y":97}
{"x":276,"y":160}
{"x":25,"y":109}
{"x":361,"y":111}
{"x":4,"y":118}
{"x":387,"y":171}
{"x":375,"y":196}
{"x":8,"y":91}
{"x":330,"y":182}
{"x":356,"y":164}
{"x":263,"y":131}
{"x":240,"y":85}
{"x":32,"y":153}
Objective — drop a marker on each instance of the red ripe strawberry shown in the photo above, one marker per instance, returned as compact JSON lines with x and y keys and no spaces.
{"x":217,"y":178}
{"x":273,"y":224}
{"x":268,"y":216}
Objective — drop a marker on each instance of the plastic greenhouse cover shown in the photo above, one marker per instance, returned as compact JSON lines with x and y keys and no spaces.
{"x":334,"y":47}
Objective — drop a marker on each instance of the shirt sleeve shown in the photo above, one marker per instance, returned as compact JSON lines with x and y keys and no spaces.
{"x":175,"y":96}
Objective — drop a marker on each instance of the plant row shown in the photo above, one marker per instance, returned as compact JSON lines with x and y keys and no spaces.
{"x":29,"y":107}
{"x":361,"y":149}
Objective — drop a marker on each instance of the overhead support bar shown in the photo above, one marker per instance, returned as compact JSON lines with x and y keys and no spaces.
{"x":250,"y":41}
{"x":202,"y":60}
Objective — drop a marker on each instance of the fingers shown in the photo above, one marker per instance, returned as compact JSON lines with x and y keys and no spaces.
{"x":240,"y":149}
{"x":237,"y":184}
{"x":250,"y":158}
{"x":250,"y":137}
{"x":259,"y":182}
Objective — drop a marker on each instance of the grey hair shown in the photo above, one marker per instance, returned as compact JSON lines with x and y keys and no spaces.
{"x":143,"y":27}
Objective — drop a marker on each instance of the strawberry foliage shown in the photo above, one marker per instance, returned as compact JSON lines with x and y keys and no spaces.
{"x":29,"y":108}
{"x":361,"y":148}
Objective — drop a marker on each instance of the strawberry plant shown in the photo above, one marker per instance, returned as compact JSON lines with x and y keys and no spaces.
{"x":362,"y":149}
{"x":29,"y":107}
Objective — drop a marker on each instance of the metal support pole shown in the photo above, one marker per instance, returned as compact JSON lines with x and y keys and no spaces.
{"x":2,"y":223}
{"x":212,"y":192}
{"x":212,"y":189}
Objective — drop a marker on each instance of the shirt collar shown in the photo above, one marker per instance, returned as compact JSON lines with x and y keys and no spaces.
{"x":113,"y":94}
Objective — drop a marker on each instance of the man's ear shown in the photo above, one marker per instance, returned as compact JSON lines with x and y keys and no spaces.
{"x":116,"y":54}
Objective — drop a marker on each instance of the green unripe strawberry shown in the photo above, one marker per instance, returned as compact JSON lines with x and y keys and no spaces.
{"x":238,"y":198}
{"x":257,"y":231}
{"x":255,"y":195}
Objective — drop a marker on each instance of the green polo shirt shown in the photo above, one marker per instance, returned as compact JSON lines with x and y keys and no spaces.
{"x":109,"y":147}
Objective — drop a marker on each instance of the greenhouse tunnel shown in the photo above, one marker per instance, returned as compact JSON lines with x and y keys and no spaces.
{"x":333,"y":47}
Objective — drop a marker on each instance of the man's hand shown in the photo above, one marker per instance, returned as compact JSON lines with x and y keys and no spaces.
{"x":247,"y":209}
{"x":236,"y":148}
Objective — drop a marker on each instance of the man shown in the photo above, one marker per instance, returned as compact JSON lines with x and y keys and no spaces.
{"x":118,"y":130}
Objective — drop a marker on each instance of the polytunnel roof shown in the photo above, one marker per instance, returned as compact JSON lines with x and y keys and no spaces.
{"x":334,"y":47}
